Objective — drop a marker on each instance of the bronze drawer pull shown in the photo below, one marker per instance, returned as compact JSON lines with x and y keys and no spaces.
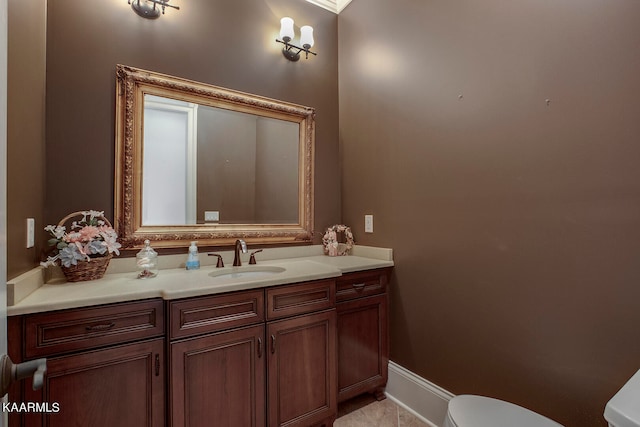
{"x":99,"y":328}
{"x":259,"y":348}
{"x":273,"y":344}
{"x":157,"y":365}
{"x":359,"y":286}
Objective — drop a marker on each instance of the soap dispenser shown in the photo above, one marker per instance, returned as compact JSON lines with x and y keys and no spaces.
{"x":147,"y":261}
{"x":193,"y":262}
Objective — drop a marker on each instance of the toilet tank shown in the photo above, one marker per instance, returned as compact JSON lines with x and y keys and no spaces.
{"x":623,"y":410}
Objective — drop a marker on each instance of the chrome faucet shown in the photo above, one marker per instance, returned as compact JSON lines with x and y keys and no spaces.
{"x":240,"y":245}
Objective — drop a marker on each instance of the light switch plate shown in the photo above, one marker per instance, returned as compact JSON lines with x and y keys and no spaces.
{"x":368,"y":223}
{"x":31,"y":231}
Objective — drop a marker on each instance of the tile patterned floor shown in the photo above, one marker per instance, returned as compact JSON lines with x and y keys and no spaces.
{"x":365,"y":411}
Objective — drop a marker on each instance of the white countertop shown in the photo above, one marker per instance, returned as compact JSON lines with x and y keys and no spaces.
{"x":173,"y":283}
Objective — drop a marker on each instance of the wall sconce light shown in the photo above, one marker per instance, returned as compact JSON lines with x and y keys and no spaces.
{"x":290,"y":50}
{"x":150,"y":9}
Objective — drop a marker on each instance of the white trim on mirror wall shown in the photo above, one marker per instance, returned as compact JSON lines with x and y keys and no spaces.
{"x":334,"y":6}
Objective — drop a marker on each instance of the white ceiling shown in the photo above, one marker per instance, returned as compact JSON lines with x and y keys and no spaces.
{"x":334,"y":6}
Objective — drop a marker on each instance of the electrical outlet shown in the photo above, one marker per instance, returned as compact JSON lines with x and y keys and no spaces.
{"x":368,"y":223}
{"x":211,"y":216}
{"x":31,"y":231}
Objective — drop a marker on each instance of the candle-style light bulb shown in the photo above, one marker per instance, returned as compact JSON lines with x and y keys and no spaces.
{"x":306,"y":37}
{"x":286,"y":29}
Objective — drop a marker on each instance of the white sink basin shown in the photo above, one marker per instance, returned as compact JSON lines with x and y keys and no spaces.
{"x":248,"y":272}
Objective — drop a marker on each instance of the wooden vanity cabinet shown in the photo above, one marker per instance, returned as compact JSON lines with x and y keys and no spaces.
{"x":105,"y":365}
{"x":238,"y":360}
{"x":363,"y":333}
{"x":278,"y":356}
{"x":217,"y":367}
{"x":301,"y":358}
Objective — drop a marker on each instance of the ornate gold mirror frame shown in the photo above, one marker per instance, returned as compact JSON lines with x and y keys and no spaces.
{"x":132,"y":85}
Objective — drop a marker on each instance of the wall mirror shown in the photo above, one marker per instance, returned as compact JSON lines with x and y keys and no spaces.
{"x":201,"y":162}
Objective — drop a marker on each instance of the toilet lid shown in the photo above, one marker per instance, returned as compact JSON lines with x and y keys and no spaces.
{"x":480,"y":411}
{"x":623,"y":409}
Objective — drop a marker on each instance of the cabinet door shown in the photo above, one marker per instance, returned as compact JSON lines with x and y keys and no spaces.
{"x":302,"y":370}
{"x":118,"y":386}
{"x":219,"y":379}
{"x":363,"y":352}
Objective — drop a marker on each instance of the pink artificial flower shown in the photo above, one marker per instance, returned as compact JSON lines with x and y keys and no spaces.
{"x":88,"y":233}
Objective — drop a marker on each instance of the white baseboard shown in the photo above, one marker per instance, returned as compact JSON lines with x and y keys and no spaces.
{"x":422,"y":398}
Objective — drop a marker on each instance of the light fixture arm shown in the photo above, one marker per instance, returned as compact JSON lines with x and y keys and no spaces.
{"x":290,"y":54}
{"x":142,"y":8}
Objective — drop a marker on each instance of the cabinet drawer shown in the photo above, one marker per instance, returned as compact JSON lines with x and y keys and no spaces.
{"x":80,"y":329}
{"x":201,"y":315}
{"x":361,"y":284}
{"x":292,"y":300}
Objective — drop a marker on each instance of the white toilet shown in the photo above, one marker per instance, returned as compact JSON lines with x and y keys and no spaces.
{"x":479,"y":411}
{"x":623,"y":410}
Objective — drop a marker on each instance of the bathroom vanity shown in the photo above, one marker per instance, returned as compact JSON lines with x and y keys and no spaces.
{"x":248,"y":352}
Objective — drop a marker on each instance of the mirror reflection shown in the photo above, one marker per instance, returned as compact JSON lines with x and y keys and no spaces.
{"x":208,"y":165}
{"x":195,"y":161}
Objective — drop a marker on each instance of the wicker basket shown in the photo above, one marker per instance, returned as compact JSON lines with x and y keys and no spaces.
{"x":86,"y":270}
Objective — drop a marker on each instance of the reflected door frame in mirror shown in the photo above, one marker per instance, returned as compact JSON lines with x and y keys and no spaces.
{"x":132,"y":84}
